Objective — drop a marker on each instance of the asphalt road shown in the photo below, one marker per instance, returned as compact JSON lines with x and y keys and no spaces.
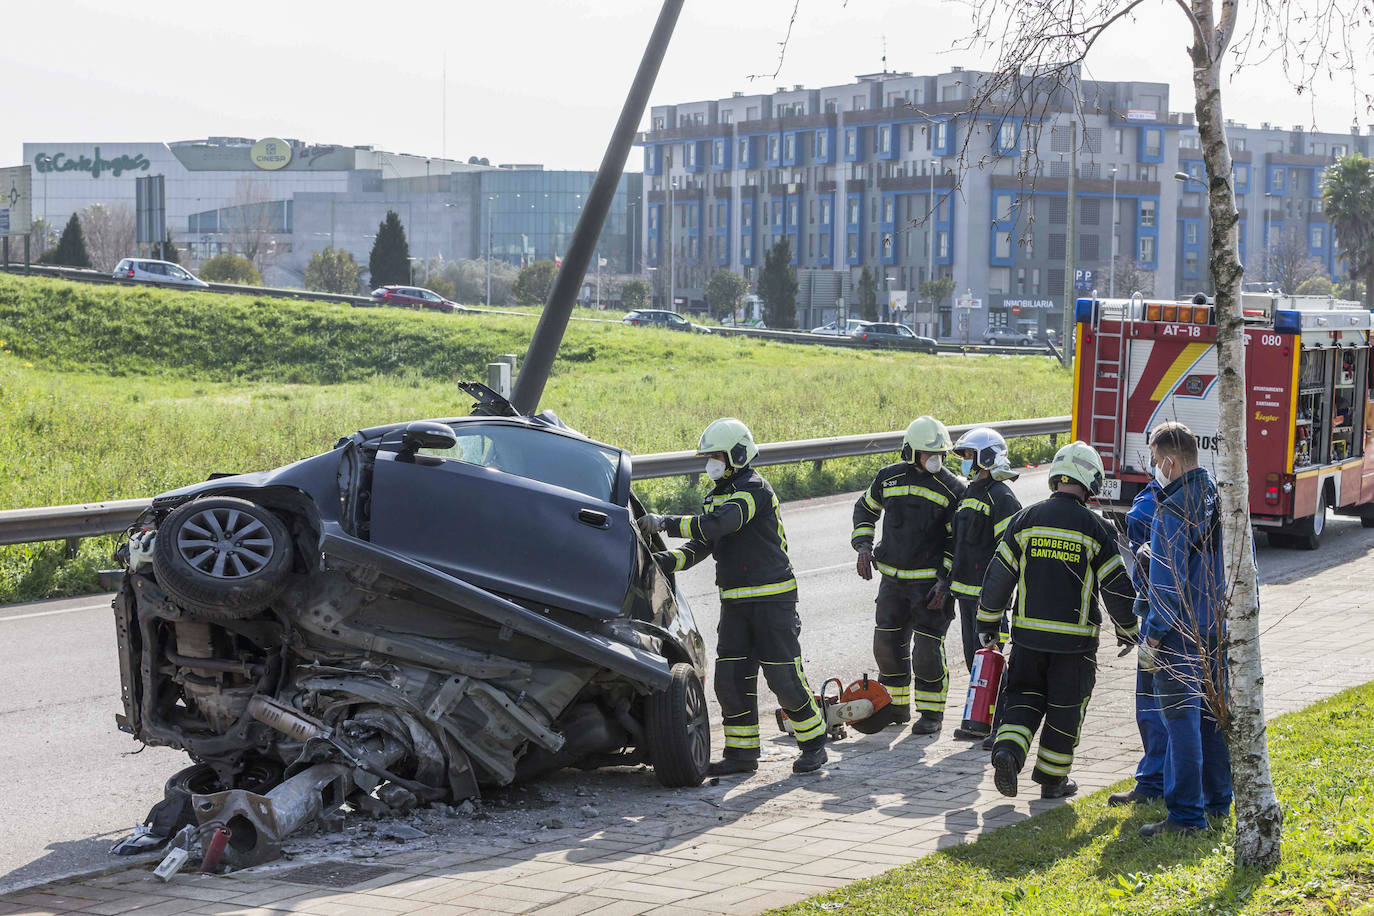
{"x":71,"y":783}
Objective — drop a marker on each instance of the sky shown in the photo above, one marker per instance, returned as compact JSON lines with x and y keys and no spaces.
{"x":527,"y":80}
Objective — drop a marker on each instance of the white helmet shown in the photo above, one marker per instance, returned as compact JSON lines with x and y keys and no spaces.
{"x":987,"y":446}
{"x":732,"y":437}
{"x":925,"y":434}
{"x":1079,"y":462}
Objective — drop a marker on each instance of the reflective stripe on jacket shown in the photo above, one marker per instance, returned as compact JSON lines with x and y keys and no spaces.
{"x":979,"y":521}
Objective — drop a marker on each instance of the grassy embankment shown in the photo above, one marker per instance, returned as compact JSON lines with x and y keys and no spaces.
{"x":1086,"y":858}
{"x":109,"y":393}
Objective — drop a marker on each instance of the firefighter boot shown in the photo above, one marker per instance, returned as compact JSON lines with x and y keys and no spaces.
{"x":989,"y":741}
{"x":811,"y":759}
{"x":928,"y":724}
{"x":729,"y":766}
{"x":1004,"y":772}
{"x":1061,"y":789}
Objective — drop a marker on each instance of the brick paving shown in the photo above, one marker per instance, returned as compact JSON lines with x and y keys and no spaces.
{"x":746,"y":846}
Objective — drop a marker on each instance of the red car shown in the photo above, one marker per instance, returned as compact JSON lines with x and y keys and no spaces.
{"x":412,"y":297}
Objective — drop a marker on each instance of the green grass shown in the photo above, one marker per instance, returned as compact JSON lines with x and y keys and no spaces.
{"x":1086,"y":858}
{"x":111,"y":393}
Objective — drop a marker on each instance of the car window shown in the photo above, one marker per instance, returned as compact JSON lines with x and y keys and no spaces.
{"x":152,"y":268}
{"x":178,"y":272}
{"x":563,"y":461}
{"x":632,"y":316}
{"x":905,"y":331}
{"x":677,"y":319}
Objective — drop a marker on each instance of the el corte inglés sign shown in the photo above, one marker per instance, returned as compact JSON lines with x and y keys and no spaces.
{"x":94,"y":166}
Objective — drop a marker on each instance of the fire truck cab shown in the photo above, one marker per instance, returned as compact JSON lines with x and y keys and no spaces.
{"x":1309,"y":400}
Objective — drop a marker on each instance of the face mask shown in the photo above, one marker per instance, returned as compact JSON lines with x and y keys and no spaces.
{"x":1160,"y":477}
{"x":715,"y":468}
{"x":934,"y":463}
{"x":966,"y":466}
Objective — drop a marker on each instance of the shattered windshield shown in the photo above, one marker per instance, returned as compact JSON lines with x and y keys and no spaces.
{"x":565,"y":462}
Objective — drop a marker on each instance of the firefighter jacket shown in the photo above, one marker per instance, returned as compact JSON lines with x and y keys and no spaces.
{"x":1187,"y":578}
{"x":741,"y":527}
{"x":979,"y":520}
{"x":917,"y":510}
{"x":1060,"y":557}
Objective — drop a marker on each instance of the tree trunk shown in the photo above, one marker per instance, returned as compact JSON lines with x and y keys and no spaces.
{"x":1259,"y":818}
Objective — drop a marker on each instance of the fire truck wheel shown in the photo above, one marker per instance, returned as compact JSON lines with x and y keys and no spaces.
{"x":1367,"y":521}
{"x":1307,"y":533}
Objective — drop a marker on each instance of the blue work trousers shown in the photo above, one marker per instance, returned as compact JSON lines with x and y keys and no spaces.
{"x":1197,"y":766}
{"x":1154,"y":737}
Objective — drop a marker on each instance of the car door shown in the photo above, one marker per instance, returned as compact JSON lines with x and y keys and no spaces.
{"x":153,"y":271}
{"x":516,"y":510}
{"x":678,"y":323}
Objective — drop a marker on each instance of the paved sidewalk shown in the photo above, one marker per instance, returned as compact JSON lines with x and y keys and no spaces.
{"x":745,"y":846}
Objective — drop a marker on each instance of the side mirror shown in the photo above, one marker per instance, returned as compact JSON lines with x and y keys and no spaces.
{"x":428,"y":434}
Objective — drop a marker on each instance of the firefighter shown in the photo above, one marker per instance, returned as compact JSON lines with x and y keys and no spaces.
{"x":1060,"y":557}
{"x":979,"y":520}
{"x":916,"y":499}
{"x":740,"y":526}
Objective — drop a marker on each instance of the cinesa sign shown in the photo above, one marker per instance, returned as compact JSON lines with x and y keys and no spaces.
{"x":61,"y":162}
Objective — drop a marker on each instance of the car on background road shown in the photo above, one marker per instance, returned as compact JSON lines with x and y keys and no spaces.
{"x":150,"y":271}
{"x":833,"y":329}
{"x":661,"y":318}
{"x":888,"y":334}
{"x":413,"y":297}
{"x":1009,"y":337}
{"x":428,"y":608}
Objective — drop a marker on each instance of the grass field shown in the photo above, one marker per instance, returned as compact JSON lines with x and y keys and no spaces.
{"x":110,"y":393}
{"x":1086,"y":858}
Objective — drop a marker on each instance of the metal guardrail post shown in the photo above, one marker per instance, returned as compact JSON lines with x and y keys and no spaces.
{"x":498,"y":378}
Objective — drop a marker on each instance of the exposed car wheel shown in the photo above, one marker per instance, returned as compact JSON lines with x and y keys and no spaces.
{"x":222,"y":557}
{"x":1025,"y":341}
{"x":1307,"y":534}
{"x":678,"y":730}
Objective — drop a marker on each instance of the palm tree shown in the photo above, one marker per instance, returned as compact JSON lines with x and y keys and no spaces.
{"x":1348,"y":198}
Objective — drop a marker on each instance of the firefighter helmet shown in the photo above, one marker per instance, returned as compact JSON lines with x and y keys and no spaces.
{"x":1080,"y":463}
{"x":925,"y":434}
{"x":731,"y":437}
{"x":987,"y":447}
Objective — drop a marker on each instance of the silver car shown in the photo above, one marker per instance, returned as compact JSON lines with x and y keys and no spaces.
{"x":832,"y":329}
{"x":150,"y":271}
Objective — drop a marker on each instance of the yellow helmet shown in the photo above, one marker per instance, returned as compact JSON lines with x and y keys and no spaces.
{"x":732,"y":437}
{"x":925,"y":434}
{"x":1079,"y":462}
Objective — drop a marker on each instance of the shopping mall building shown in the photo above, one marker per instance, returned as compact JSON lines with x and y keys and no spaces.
{"x":298,"y":198}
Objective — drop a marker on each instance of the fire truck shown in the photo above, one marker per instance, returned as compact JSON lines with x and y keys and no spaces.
{"x":1309,"y":401}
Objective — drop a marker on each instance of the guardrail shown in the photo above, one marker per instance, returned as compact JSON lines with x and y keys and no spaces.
{"x":56,"y":523}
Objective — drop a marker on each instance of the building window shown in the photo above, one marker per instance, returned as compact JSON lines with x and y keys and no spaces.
{"x":853,"y":210}
{"x":1006,"y":136}
{"x":811,"y":212}
{"x":1190,"y":233}
{"x":1337,"y":150}
{"x":822,"y":147}
{"x":1147,"y":213}
{"x":792,"y":213}
{"x":1002,"y":245}
{"x":941,"y":135}
{"x":773,"y":149}
{"x":1055,"y":287}
{"x":852,"y":245}
{"x":860,"y":103}
{"x":998,"y":279}
{"x":790,"y":147}
{"x":888,"y":210}
{"x":1035,"y":280}
{"x":1087,"y":249}
{"x":658,"y":123}
{"x":1118,"y":140}
{"x":1318,"y":236}
{"x":825,"y":211}
{"x":744,"y":152}
{"x":727,"y":117}
{"x":653,"y":218}
{"x":850,"y":142}
{"x":1059,"y":211}
{"x":777,"y":213}
{"x":1242,"y":173}
{"x":1058,"y":246}
{"x":1276,"y":180}
{"x":1153,"y":143}
{"x":691,"y":157}
{"x":719,"y":149}
{"x":1147,"y":249}
{"x":1190,"y":263}
{"x":942,"y":244}
{"x":884,"y":139}
{"x":746,"y":247}
{"x":1090,"y":211}
{"x":1145,"y":173}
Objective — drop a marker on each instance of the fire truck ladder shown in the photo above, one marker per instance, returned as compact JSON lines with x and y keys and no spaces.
{"x":1106,"y":431}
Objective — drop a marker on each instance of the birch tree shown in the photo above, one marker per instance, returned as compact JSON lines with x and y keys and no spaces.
{"x":1040,"y":47}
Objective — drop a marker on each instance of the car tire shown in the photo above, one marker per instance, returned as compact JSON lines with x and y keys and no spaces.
{"x":1025,"y":341}
{"x":990,"y":342}
{"x":225,"y":584}
{"x":677,"y":730}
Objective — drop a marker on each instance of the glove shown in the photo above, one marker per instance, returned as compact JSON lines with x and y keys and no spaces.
{"x":938,"y":595}
{"x":1123,"y":638}
{"x":864,"y":566}
{"x":986,"y":639}
{"x":650,"y":524}
{"x":1148,"y":657}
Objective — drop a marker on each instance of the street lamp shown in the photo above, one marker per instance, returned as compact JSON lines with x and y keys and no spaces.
{"x":1111,"y":268}
{"x":490,"y":204}
{"x":1268,"y":196}
{"x":930,"y":266}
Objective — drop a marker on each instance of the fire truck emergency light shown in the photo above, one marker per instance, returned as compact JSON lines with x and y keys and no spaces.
{"x":1287,"y":321}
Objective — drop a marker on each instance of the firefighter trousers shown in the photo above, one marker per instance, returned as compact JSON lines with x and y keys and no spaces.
{"x":1055,"y":687}
{"x":909,"y":644}
{"x":765,"y":634}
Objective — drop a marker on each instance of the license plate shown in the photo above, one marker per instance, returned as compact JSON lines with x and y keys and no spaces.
{"x":1111,"y":489}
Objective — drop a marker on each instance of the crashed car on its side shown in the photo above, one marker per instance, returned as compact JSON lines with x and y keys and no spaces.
{"x":428,"y":608}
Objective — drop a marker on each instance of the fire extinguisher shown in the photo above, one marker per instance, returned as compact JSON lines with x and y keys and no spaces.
{"x":983,"y":683}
